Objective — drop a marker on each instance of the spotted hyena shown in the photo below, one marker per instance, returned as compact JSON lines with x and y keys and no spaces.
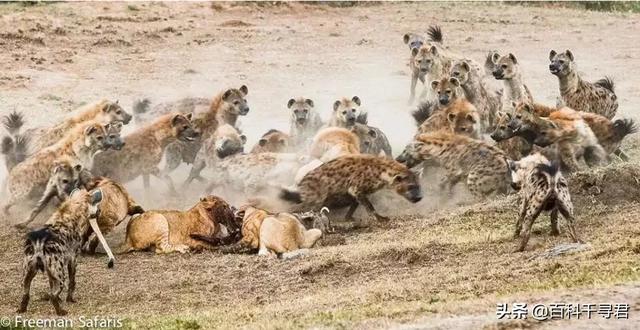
{"x":304,"y":120}
{"x":542,"y":188}
{"x":419,"y":67}
{"x":477,"y":93}
{"x":372,"y":140}
{"x":448,"y":90}
{"x":346,"y":112}
{"x":53,"y":249}
{"x":482,"y":166}
{"x":272,"y":141}
{"x":576,"y":93}
{"x":460,"y":117}
{"x":357,"y":176}
{"x":507,"y":69}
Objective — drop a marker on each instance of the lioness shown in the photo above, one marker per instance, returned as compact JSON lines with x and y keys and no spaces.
{"x":170,"y":230}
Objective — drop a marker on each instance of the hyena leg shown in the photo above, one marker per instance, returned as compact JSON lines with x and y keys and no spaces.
{"x":568,"y":157}
{"x":42,"y":203}
{"x":55,"y":271}
{"x":93,"y":245}
{"x":362,"y":199}
{"x":197,"y":167}
{"x":530,"y":216}
{"x":145,"y":181}
{"x":414,"y":82}
{"x":71,"y":267}
{"x":568,"y":215}
{"x":30,"y":271}
{"x":554,"y":222}
{"x":523,"y":212}
{"x":352,"y":209}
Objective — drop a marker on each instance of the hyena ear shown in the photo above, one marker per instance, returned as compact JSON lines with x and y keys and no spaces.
{"x":495,"y":57}
{"x":471,"y":118}
{"x":77,"y":168}
{"x":243,"y":138}
{"x":454,"y":81}
{"x":569,"y":54}
{"x":226,"y":94}
{"x":189,"y":116}
{"x":451,"y":117}
{"x":336,"y":104}
{"x":356,"y":100}
{"x":117,"y":101}
{"x":372,"y":133}
{"x":177,"y":119}
{"x":398,"y":178}
{"x":90,"y":130}
{"x":96,"y":196}
{"x":309,"y":102}
{"x":244,"y":90}
{"x":552,"y":54}
{"x":465,"y":65}
{"x":434,"y":84}
{"x":57,"y":167}
{"x":262,"y":142}
{"x":414,"y":51}
{"x":528,"y":108}
{"x":405,"y":38}
{"x":508,"y":114}
{"x":513,"y":58}
{"x":514,"y":104}
{"x":290,"y":103}
{"x":512,"y":165}
{"x":433,"y":50}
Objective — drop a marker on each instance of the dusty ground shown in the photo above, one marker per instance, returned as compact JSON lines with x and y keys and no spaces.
{"x":437,"y":269}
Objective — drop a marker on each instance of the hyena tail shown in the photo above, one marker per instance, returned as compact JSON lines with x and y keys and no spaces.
{"x":423,"y":112}
{"x":141,"y":106}
{"x":435,"y":33}
{"x":13,"y":122}
{"x":34,"y":246}
{"x":290,"y":195}
{"x":623,"y":127}
{"x":15,"y":148}
{"x":607,"y":83}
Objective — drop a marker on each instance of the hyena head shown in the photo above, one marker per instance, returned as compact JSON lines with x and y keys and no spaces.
{"x":424,"y":57}
{"x":448,"y":90}
{"x":182,"y":128}
{"x":78,"y":208}
{"x":506,"y":67}
{"x":414,"y":41}
{"x":539,"y":131}
{"x":411,"y":155}
{"x":463,"y":118}
{"x":95,"y":137}
{"x":301,"y":110}
{"x":347,"y":111}
{"x":561,"y":64}
{"x":237,"y":100}
{"x":367,"y":136}
{"x":315,"y":219}
{"x":461,"y":71}
{"x":65,"y":176}
{"x":520,"y":169}
{"x":114,"y":112}
{"x":502,"y":131}
{"x":114,"y":140}
{"x":272,"y":141}
{"x":229,"y":141}
{"x":406,"y":184}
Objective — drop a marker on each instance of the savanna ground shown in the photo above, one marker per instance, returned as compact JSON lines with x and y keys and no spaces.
{"x":441,"y":267}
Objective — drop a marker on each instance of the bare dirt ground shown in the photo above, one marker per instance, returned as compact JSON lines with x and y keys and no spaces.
{"x":437,"y":268}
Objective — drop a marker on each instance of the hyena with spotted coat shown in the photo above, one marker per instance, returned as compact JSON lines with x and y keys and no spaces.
{"x":542,"y":188}
{"x":420,"y":66}
{"x":482,"y":166}
{"x":305,"y":121}
{"x":53,"y":249}
{"x":576,"y":93}
{"x":357,"y":176}
{"x":478,"y":93}
{"x":507,"y":69}
{"x":347,"y":112}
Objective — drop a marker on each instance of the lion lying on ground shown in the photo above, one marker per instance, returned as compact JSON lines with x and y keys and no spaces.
{"x":200,"y":227}
{"x":280,"y":234}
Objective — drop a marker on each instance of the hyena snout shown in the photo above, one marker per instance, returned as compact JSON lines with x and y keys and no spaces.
{"x":554,"y":68}
{"x":414,"y":193}
{"x":244,"y":110}
{"x":443,"y":99}
{"x":498,"y":74}
{"x":127,"y":118}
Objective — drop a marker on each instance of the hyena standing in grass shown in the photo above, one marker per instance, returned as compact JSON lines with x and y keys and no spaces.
{"x":53,"y":249}
{"x":542,"y":188}
{"x":419,"y":63}
{"x":581,"y":95}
